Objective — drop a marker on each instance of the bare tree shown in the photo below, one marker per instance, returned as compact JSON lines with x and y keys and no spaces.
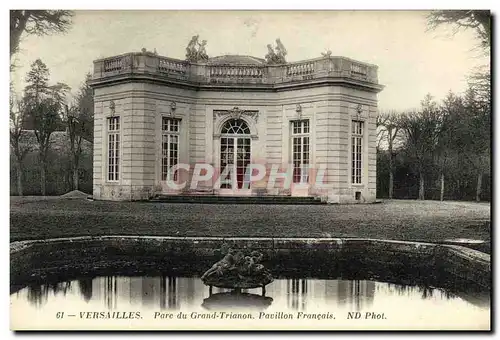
{"x":451,"y":113}
{"x":477,"y":125}
{"x":36,"y":22}
{"x":389,"y":125}
{"x":85,"y":104}
{"x":478,"y":20}
{"x":76,"y":130}
{"x":46,"y":120}
{"x":19,"y":142}
{"x":80,"y":122}
{"x":421,"y":131}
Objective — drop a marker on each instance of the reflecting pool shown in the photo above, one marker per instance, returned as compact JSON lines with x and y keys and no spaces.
{"x":186,"y":303}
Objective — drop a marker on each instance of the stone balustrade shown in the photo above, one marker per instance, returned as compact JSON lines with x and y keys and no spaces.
{"x":169,"y":65}
{"x":297,"y":69}
{"x":113,"y":64}
{"x":236,"y":71}
{"x":206,"y":73}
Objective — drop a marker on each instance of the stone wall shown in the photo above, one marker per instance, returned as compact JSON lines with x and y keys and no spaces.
{"x":41,"y":261}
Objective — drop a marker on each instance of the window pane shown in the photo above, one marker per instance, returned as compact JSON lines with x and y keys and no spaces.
{"x":300,"y":150}
{"x":356,"y":155}
{"x":113,"y":148}
{"x":235,"y":126}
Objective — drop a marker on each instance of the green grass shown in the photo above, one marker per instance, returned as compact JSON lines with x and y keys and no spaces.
{"x":399,"y":220}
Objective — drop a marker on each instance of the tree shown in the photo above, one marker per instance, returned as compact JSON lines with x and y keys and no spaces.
{"x":80,"y":123}
{"x":480,"y":83}
{"x":37,"y":82}
{"x":478,"y":141}
{"x":451,"y":113}
{"x":478,"y":20}
{"x":421,"y":131}
{"x":46,"y":120}
{"x":19,"y":141}
{"x":76,"y":130}
{"x":44,"y":105}
{"x":85,"y":104}
{"x":37,"y":22}
{"x":388,"y":123}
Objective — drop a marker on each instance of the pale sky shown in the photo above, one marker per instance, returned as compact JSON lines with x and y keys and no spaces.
{"x":412,"y":62}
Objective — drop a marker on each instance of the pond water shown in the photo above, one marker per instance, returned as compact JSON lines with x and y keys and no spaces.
{"x":161,"y":302}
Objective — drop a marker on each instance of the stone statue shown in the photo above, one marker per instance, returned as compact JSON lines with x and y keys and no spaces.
{"x":221,"y":266}
{"x":328,"y":53}
{"x":238,"y":270}
{"x":196,"y":51}
{"x":202,"y":53}
{"x":278,"y":56}
{"x":191,"y":48}
{"x":145,"y":51}
{"x":270,"y":56}
{"x":281,"y":51}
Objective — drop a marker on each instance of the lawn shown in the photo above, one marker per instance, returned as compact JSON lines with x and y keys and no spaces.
{"x":400,"y":220}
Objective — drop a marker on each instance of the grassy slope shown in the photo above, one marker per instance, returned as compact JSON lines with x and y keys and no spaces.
{"x":401,"y":220}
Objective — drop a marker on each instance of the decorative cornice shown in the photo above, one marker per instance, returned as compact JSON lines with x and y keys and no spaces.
{"x":237,"y":87}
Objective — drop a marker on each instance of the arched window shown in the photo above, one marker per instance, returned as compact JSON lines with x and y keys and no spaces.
{"x":235,"y":127}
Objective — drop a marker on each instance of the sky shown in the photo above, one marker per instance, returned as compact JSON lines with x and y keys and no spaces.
{"x":412,"y":61}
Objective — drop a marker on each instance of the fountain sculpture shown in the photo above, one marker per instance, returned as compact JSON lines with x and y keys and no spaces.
{"x":238,"y":270}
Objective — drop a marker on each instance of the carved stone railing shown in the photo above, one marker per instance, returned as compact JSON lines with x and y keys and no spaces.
{"x":168,"y":65}
{"x":205,"y":73}
{"x":113,"y":64}
{"x":359,"y":70}
{"x":300,"y":69}
{"x":236,"y":71}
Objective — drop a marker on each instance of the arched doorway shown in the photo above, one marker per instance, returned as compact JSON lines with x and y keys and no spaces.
{"x":235,"y":152}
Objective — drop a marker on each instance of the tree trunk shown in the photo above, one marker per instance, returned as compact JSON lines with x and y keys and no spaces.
{"x":75,"y":179}
{"x":421,"y":195}
{"x":478,"y":187}
{"x":42,"y":179}
{"x":391,"y":181}
{"x":19,"y":170}
{"x":391,"y":172}
{"x":442,"y":187}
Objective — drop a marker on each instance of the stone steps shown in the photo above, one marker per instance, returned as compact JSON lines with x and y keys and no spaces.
{"x":216,"y":199}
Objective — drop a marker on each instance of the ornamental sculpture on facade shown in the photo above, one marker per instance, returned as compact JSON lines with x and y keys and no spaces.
{"x":196,"y":51}
{"x":236,"y":113}
{"x":276,"y":55}
{"x":326,"y":54}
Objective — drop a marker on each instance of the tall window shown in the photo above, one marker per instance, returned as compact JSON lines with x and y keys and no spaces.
{"x":113,"y":148}
{"x":300,"y":150}
{"x":170,"y":147}
{"x":356,"y":151}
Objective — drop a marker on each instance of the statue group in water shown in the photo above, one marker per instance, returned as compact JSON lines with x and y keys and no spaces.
{"x":238,"y":270}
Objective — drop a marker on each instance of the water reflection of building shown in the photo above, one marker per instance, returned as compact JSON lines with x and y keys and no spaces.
{"x":172,"y":293}
{"x":163,"y":292}
{"x":301,"y":292}
{"x":296,"y":293}
{"x":110,"y":291}
{"x":355,"y":294}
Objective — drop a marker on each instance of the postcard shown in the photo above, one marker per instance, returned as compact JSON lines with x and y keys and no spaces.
{"x":250,"y":170}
